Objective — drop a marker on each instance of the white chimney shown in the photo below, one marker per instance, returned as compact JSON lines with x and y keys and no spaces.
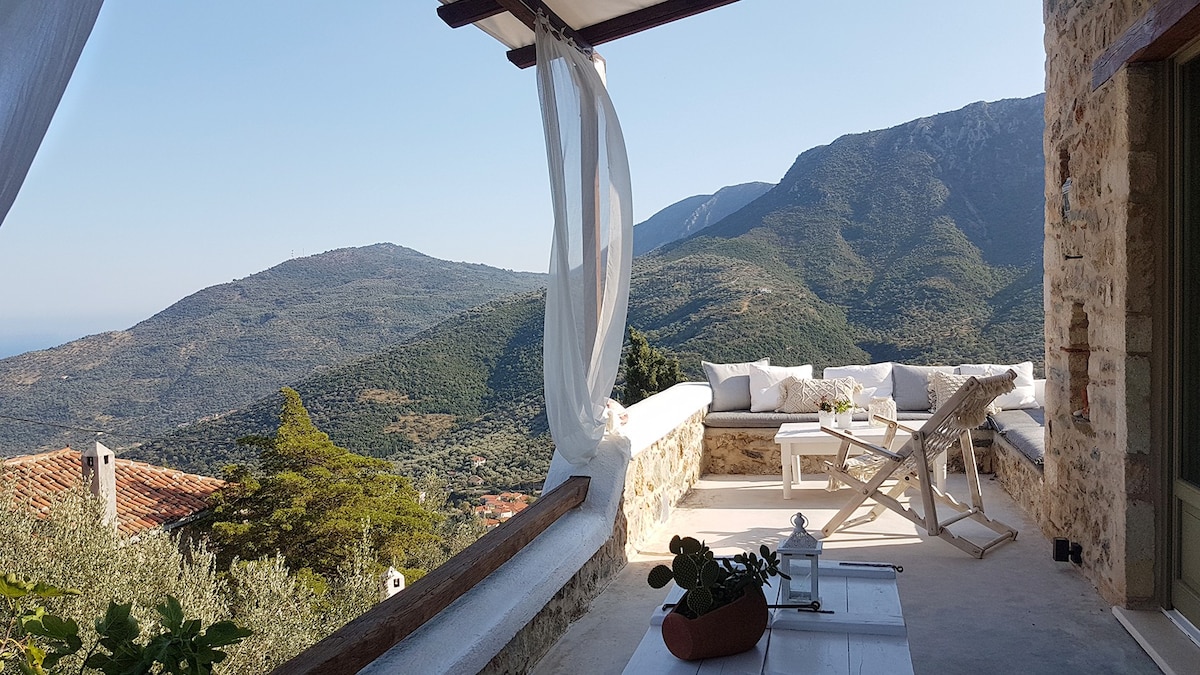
{"x":100,"y":474}
{"x":392,"y":583}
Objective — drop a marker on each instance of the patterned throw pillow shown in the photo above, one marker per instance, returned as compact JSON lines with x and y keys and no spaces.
{"x":804,"y":396}
{"x":944,"y":385}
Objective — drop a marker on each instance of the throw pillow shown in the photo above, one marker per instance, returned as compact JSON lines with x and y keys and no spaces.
{"x":765,"y":391}
{"x":911,"y":385}
{"x":944,"y":385}
{"x":877,"y":375}
{"x":1023,"y":395}
{"x":730,"y":383}
{"x":804,"y":396}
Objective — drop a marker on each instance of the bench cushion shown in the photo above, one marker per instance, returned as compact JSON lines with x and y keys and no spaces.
{"x":1023,"y":430}
{"x":744,"y":419}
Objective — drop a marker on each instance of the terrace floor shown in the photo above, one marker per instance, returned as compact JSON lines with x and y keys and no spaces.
{"x":1015,"y":611}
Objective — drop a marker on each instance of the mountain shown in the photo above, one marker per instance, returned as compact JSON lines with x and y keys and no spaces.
{"x":468,"y":387}
{"x":919,"y":243}
{"x":929,"y":235}
{"x":228,"y":345}
{"x":688,"y":216}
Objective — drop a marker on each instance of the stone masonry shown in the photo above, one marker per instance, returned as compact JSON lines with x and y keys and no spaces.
{"x":1099,"y":294}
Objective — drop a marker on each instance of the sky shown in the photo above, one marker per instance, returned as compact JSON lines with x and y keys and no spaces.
{"x":203,"y":141}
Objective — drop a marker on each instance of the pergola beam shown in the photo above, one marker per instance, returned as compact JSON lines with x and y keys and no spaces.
{"x":464,"y":12}
{"x":627,"y":24}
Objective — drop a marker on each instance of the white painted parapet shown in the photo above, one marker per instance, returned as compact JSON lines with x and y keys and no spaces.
{"x":467,"y":635}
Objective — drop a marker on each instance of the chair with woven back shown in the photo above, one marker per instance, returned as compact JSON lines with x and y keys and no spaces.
{"x":912,"y":468}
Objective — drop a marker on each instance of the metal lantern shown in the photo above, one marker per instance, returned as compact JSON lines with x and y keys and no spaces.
{"x":803,"y":587}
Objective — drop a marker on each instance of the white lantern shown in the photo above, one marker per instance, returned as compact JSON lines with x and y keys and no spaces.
{"x":803,"y":587}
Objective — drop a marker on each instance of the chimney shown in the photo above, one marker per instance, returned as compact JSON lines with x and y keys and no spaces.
{"x":100,"y":474}
{"x":392,"y":582}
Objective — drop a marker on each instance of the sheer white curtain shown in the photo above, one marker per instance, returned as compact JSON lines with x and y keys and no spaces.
{"x":592,"y":248}
{"x":40,"y":42}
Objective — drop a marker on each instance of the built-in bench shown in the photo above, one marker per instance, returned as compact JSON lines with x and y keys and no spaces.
{"x":1018,"y":456}
{"x":1011,"y":445}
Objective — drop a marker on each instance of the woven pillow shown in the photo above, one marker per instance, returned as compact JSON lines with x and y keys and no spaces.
{"x":944,"y":385}
{"x":804,"y":396}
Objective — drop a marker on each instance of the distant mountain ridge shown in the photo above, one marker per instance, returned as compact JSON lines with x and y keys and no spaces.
{"x":227,"y":345}
{"x":688,"y":216}
{"x":919,"y":243}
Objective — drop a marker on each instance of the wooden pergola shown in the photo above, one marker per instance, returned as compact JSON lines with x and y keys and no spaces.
{"x":587,"y":22}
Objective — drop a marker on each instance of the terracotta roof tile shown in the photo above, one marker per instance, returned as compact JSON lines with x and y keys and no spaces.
{"x":148,"y":496}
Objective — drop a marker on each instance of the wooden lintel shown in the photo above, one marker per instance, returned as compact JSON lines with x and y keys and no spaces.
{"x":628,"y":24}
{"x":466,"y":12}
{"x":1160,"y":32}
{"x":366,"y":638}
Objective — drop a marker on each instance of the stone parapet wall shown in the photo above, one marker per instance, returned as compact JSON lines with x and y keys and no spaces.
{"x":1099,"y":290}
{"x":659,"y":476}
{"x":532,"y":642}
{"x":664,"y":441}
{"x":1020,"y":478}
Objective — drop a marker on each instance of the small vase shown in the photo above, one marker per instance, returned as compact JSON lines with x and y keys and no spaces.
{"x":727,"y":630}
{"x":844,"y":420}
{"x":825,"y":419}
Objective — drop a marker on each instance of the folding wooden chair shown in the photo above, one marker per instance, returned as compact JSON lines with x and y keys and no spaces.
{"x":911,"y":467}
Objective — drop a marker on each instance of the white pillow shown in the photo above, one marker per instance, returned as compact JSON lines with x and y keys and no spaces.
{"x":1022,"y":396}
{"x":765,"y":392}
{"x":877,"y":375}
{"x":1039,"y":392}
{"x":804,"y":396}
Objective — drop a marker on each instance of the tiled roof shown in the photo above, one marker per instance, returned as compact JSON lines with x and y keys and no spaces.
{"x":147,"y":495}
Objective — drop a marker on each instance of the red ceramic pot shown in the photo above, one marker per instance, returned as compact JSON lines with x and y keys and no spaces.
{"x":731,"y":629}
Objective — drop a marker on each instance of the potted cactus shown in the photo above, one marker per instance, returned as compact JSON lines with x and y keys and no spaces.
{"x":723,"y":610}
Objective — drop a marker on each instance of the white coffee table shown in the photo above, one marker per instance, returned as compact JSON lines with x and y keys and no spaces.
{"x":806,"y":438}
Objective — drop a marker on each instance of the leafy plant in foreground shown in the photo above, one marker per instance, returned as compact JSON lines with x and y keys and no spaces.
{"x":711,"y":583}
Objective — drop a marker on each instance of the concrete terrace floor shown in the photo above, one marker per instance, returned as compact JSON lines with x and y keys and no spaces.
{"x":1014,"y":611}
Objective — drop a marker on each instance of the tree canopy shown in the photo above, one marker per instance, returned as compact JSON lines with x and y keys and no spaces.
{"x":648,"y":370}
{"x":310,"y":501}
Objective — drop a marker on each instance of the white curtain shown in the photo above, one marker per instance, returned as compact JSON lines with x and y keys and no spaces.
{"x":40,"y":42}
{"x":592,"y":248}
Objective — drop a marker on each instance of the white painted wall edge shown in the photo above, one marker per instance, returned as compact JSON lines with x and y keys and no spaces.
{"x":466,"y":635}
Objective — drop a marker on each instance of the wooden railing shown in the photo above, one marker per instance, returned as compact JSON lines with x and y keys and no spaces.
{"x":364,"y":639}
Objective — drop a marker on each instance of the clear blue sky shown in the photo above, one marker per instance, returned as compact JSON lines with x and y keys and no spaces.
{"x":202,"y":141}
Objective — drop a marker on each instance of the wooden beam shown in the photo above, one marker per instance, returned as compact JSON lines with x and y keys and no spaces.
{"x":628,"y":24}
{"x":465,"y":12}
{"x":366,"y":638}
{"x":526,"y":12}
{"x":1160,"y":32}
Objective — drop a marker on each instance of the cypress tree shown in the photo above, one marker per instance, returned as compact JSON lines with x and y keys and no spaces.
{"x":648,"y":370}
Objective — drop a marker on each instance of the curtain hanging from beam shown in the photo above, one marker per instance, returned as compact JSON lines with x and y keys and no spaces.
{"x":592,"y":247}
{"x":40,"y":42}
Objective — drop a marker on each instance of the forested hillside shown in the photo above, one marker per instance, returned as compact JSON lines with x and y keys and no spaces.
{"x":228,"y":345}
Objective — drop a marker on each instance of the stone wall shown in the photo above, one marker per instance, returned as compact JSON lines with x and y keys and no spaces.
{"x":1099,"y":277}
{"x":659,"y":476}
{"x":532,"y":642}
{"x":665,"y":438}
{"x":1020,"y":478}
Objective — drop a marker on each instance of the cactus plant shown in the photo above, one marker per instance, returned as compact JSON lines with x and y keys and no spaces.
{"x":710,"y":582}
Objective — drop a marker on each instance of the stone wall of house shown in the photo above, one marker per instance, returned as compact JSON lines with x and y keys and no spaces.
{"x":1099,"y":277}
